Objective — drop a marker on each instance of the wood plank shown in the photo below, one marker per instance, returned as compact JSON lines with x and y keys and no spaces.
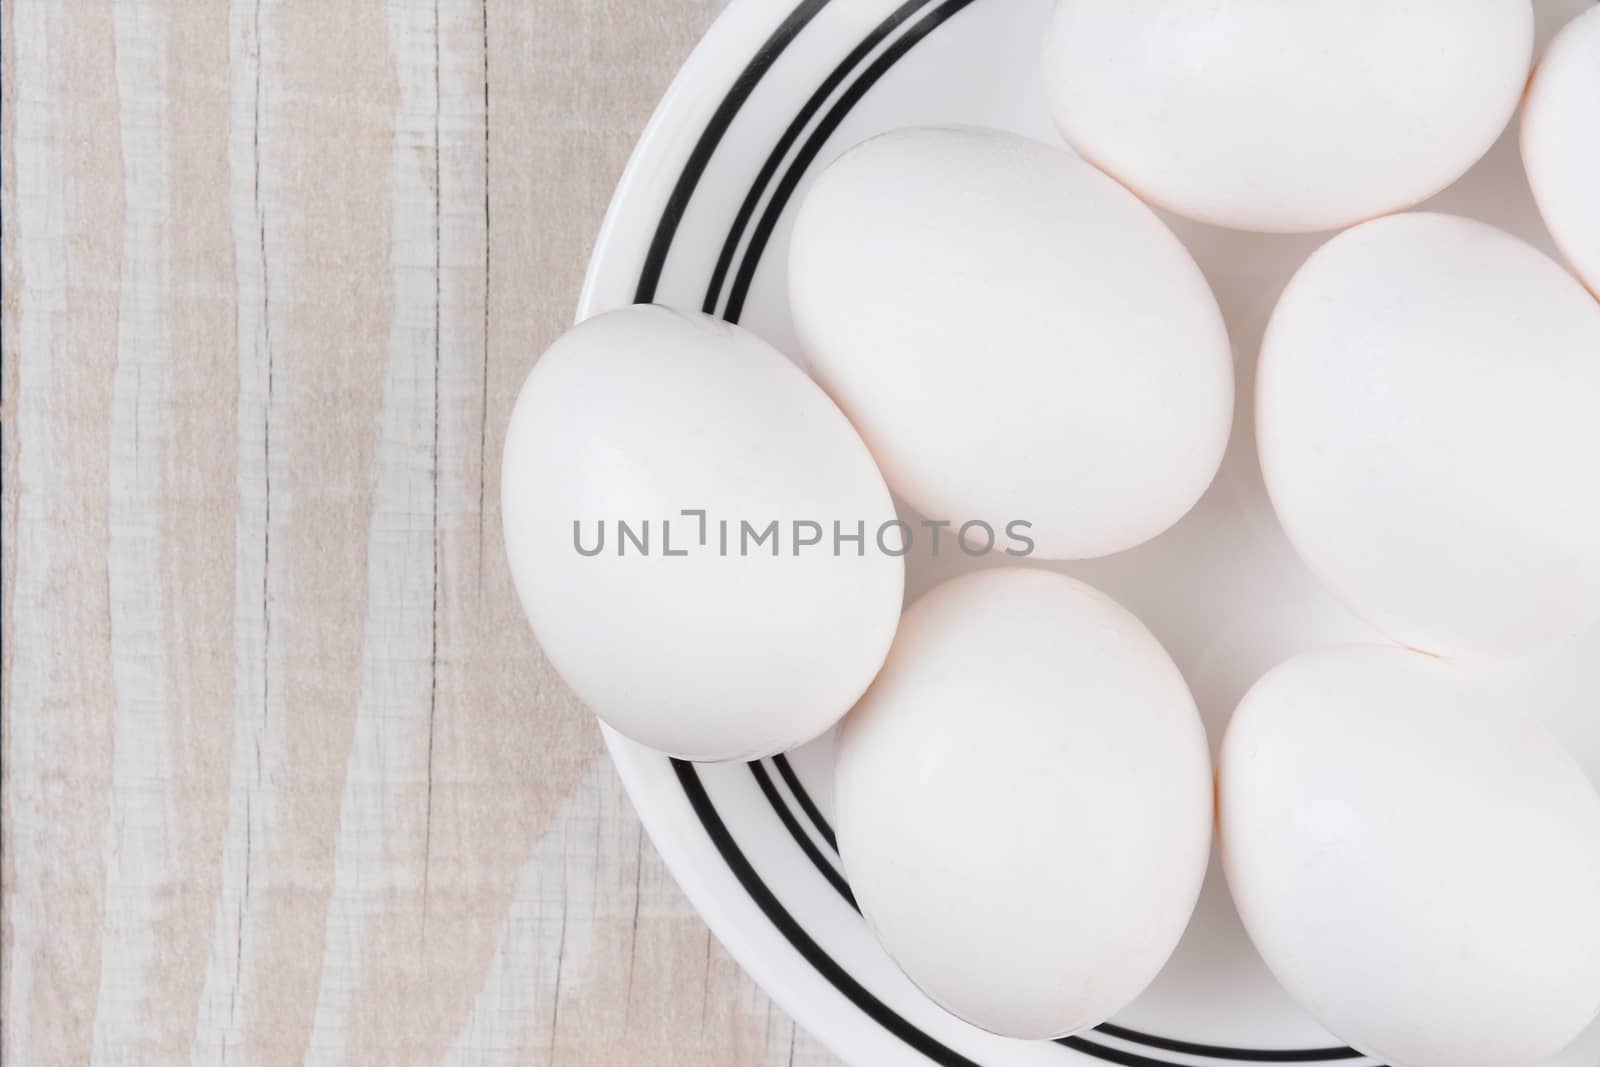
{"x":286,"y":778}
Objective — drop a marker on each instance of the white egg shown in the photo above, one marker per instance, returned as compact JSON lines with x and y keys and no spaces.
{"x":1561,"y":143}
{"x":1024,"y":802}
{"x":1286,"y":117}
{"x":1419,"y":866}
{"x":1426,"y":414}
{"x":1015,"y":335}
{"x":720,"y":636}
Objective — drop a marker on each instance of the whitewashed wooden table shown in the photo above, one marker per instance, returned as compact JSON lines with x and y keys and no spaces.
{"x":285,"y":778}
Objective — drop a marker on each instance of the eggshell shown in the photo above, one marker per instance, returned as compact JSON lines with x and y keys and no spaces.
{"x":1561,"y":143}
{"x":1024,"y":802}
{"x":1427,"y":422}
{"x":1418,"y":865}
{"x":1286,"y":117}
{"x":642,"y":414}
{"x":1015,"y":335}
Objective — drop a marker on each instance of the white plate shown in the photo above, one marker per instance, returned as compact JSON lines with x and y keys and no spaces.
{"x":701,"y":219}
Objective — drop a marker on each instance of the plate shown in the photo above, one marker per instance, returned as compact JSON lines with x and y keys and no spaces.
{"x":701,"y":220}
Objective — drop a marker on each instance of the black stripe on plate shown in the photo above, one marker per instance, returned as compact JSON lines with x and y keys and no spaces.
{"x":700,"y":157}
{"x":730,"y":246}
{"x":1169,"y":1044}
{"x":834,"y":875}
{"x":825,"y":965}
{"x":781,"y":762}
{"x":1111,"y":1055}
{"x":827,"y":869}
{"x":775,"y":912}
{"x":836,"y":879}
{"x":819,"y":137}
{"x":1223,"y":1052}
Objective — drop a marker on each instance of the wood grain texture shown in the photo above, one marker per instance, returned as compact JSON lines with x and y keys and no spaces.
{"x":286,"y":779}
